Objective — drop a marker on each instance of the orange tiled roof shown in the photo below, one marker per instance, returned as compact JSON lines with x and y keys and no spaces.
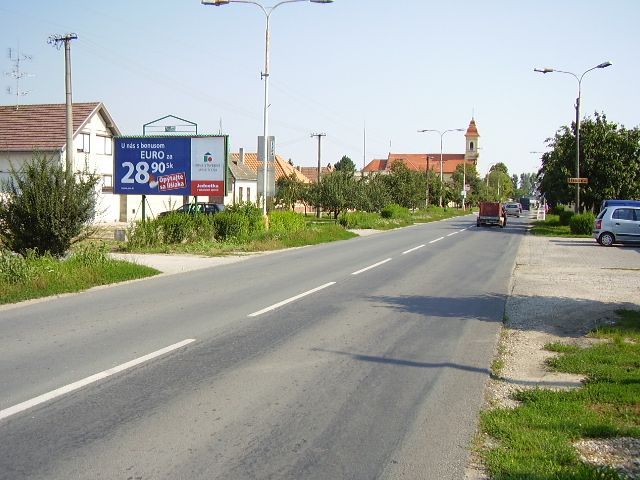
{"x":418,"y":161}
{"x":312,"y":172}
{"x":43,"y":127}
{"x":283,"y":168}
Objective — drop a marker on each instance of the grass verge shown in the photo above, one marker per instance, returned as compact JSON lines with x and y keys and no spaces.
{"x":535,"y":440}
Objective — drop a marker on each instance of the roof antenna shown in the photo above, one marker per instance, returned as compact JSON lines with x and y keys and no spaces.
{"x":16,"y":58}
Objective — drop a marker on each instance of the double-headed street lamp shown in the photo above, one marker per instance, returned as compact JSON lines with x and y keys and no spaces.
{"x":265,"y":75}
{"x":579,"y":79}
{"x":441,"y":160}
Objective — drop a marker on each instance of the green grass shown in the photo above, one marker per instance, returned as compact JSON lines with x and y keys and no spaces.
{"x":551,"y":227}
{"x":37,"y":277}
{"x":534,"y":440}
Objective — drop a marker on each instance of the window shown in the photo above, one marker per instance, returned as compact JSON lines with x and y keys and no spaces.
{"x":103,"y":145}
{"x":240,"y":194}
{"x":471,"y":146}
{"x":248,"y":194}
{"x":624,"y":214}
{"x":107,"y":183}
{"x":85,"y":140}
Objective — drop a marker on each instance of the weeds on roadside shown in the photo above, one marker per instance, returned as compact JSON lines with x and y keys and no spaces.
{"x":534,"y":440}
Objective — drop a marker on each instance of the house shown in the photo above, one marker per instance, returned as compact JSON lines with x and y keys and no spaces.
{"x":28,"y":129}
{"x":445,"y":162}
{"x":312,"y":172}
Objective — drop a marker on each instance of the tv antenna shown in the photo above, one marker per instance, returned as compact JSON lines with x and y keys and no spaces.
{"x":16,"y":57}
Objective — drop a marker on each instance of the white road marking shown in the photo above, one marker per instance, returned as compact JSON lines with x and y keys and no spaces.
{"x":436,"y":240}
{"x":412,"y":249}
{"x":371,"y":266}
{"x":7,"y":412}
{"x":289,"y":300}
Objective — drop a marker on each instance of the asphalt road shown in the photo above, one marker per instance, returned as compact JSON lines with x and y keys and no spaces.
{"x":360,"y":359}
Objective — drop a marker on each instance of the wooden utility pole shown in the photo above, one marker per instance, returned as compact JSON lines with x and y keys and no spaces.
{"x":319,"y":135}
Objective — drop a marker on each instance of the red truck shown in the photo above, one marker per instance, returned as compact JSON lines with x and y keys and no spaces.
{"x":491,"y":213}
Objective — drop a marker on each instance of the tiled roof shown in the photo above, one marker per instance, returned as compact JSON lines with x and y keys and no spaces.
{"x":282,"y":167}
{"x":472,"y":130}
{"x":43,"y":127}
{"x":312,"y":172}
{"x":418,"y":161}
{"x":240,"y":171}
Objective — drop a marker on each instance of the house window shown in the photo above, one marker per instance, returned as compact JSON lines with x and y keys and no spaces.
{"x":85,"y":140}
{"x":248,"y":194}
{"x":240,"y":194}
{"x":107,"y":183}
{"x":103,"y":145}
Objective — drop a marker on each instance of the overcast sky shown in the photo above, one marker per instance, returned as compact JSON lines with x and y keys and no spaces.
{"x":367,"y":73}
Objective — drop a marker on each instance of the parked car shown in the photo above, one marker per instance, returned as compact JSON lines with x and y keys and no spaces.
{"x":617,"y":224}
{"x":513,"y":209}
{"x":208,"y":208}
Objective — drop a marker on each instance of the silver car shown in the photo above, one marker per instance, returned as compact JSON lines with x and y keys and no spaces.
{"x":617,"y":224}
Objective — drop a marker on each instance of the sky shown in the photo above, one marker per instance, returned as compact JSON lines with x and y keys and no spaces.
{"x":368,"y":74}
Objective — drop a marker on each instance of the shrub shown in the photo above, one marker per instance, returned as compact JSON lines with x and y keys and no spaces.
{"x":395,"y":211}
{"x":582,"y":223}
{"x":565,"y":217}
{"x":231,"y":225}
{"x":57,"y":204}
{"x":359,"y":220}
{"x":251,"y":212}
{"x":557,"y":210}
{"x":286,"y":221}
{"x":14,"y":268}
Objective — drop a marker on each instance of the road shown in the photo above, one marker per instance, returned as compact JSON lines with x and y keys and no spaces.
{"x":360,"y":359}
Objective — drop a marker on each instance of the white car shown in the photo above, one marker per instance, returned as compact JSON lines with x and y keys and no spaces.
{"x":512,"y":209}
{"x":617,"y":225}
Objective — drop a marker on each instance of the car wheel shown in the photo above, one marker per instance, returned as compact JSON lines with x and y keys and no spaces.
{"x":606,"y":239}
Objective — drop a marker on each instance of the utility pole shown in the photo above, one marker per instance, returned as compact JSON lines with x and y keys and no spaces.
{"x":319,"y":135}
{"x":57,"y":41}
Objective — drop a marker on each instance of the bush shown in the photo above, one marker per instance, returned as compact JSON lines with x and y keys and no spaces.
{"x":582,"y":223}
{"x":565,"y":217}
{"x":395,"y":211}
{"x":286,"y":222}
{"x":557,"y":210}
{"x":231,"y":225}
{"x":58,"y":206}
{"x":251,"y":212}
{"x":359,"y":220}
{"x":14,"y":268}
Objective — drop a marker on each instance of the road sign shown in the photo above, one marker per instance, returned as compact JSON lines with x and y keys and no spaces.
{"x":578,"y":180}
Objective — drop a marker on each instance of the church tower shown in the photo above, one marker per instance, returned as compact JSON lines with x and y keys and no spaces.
{"x":472,"y":137}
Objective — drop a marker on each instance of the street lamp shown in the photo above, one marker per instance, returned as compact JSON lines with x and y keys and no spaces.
{"x":265,"y":75}
{"x":441,"y":135}
{"x":579,"y":79}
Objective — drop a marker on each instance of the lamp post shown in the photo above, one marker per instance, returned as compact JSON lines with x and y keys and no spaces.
{"x":264,"y":75}
{"x":441,"y":160}
{"x":579,"y":79}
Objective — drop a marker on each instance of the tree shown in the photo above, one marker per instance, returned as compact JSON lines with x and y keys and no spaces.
{"x":290,"y":190}
{"x":345,"y":164}
{"x":47,"y":208}
{"x":335,"y":192}
{"x":466,"y":174}
{"x":609,"y":159}
{"x":408,"y":188}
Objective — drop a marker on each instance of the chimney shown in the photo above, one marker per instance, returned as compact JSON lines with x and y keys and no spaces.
{"x":242,"y":155}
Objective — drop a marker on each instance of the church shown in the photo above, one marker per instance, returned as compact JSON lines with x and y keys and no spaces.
{"x":433,"y":161}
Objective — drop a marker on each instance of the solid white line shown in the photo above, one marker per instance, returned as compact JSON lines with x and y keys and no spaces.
{"x":436,"y":240}
{"x":370,"y":267}
{"x":7,"y":412}
{"x":289,"y":300}
{"x":412,"y":249}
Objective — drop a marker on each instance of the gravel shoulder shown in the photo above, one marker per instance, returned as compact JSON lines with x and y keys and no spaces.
{"x":561,"y":289}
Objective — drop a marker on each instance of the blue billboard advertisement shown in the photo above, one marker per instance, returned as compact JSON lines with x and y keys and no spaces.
{"x":171,"y":165}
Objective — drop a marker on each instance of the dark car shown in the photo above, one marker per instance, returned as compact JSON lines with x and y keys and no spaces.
{"x":208,"y":208}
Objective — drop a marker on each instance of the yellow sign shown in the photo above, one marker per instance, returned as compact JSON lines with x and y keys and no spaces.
{"x":578,"y":180}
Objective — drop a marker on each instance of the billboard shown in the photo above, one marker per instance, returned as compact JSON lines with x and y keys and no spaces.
{"x":171,"y":165}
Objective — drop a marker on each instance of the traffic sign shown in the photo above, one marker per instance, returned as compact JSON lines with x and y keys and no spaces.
{"x":578,"y":180}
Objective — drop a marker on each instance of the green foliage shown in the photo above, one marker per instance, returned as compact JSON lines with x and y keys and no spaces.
{"x":352,"y":220}
{"x":290,"y":191}
{"x":232,"y":225}
{"x":252,"y":213}
{"x":335,"y":192}
{"x":56,"y":205}
{"x":395,"y":211}
{"x":14,"y":268}
{"x":407,"y":187}
{"x":582,"y":223}
{"x":557,"y":210}
{"x":286,"y":221}
{"x":609,"y":158}
{"x":565,"y":217}
{"x":535,"y":439}
{"x":345,"y":164}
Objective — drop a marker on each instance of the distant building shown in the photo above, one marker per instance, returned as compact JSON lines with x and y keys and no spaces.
{"x":431,"y":161}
